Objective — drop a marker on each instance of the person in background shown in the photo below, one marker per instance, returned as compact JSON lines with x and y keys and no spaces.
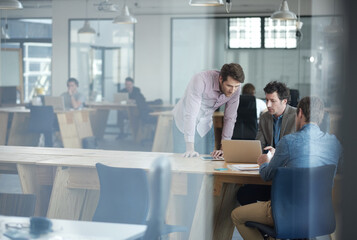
{"x":308,"y":147}
{"x":277,"y":122}
{"x":73,"y":98}
{"x":134,"y":92}
{"x":249,"y":89}
{"x":143,"y":108}
{"x":206,"y":92}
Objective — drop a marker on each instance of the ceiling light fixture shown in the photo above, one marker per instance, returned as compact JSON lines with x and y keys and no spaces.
{"x":10,"y":4}
{"x":125,"y":17}
{"x":206,"y":3}
{"x":86,"y":29}
{"x":283,"y":13}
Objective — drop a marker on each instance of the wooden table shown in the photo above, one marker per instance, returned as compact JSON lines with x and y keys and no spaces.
{"x":66,"y":181}
{"x":67,"y":229}
{"x":14,"y":129}
{"x":100,"y":118}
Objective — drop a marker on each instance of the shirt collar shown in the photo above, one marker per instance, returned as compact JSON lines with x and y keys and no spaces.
{"x":216,"y":84}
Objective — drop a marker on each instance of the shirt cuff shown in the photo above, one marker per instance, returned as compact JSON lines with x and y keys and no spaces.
{"x":189,"y":138}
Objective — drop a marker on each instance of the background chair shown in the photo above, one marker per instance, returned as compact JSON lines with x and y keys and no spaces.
{"x":124,"y":197}
{"x":42,"y":120}
{"x":246,"y":126}
{"x":14,"y":204}
{"x":160,"y":184}
{"x":294,"y":97}
{"x":301,"y":203}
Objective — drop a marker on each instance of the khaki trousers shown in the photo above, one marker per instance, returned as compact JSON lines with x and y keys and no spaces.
{"x":256,"y":212}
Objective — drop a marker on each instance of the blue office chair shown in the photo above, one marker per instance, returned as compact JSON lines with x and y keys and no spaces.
{"x":125,"y":197}
{"x":42,"y":120}
{"x":301,"y":201}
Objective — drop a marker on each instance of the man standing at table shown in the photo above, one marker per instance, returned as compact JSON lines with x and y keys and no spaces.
{"x":206,"y":92}
{"x":73,"y":98}
{"x":277,"y":122}
{"x":308,"y":147}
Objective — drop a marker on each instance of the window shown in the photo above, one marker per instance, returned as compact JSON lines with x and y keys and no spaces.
{"x":245,"y":32}
{"x":34,"y":38}
{"x":248,"y":32}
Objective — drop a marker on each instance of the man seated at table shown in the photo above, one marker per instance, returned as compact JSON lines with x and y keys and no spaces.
{"x":308,"y":147}
{"x":274,"y":124}
{"x":136,"y":95}
{"x":73,"y":98}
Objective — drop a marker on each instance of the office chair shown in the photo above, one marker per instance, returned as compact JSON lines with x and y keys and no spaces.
{"x":42,"y":119}
{"x":301,"y":201}
{"x":125,"y":198}
{"x":294,"y":97}
{"x":160,"y":184}
{"x":16,"y":204}
{"x":246,"y":126}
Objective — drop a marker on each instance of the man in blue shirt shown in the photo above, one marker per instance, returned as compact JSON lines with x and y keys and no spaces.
{"x":308,"y":147}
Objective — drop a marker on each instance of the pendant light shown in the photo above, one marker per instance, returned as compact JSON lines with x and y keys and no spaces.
{"x":10,"y":4}
{"x":86,"y":29}
{"x":125,"y":17}
{"x":206,"y":3}
{"x":283,"y":13}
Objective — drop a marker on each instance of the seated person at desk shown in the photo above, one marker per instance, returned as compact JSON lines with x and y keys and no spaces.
{"x":277,"y":122}
{"x":205,"y":93}
{"x":73,"y":98}
{"x":136,"y":95}
{"x":308,"y":147}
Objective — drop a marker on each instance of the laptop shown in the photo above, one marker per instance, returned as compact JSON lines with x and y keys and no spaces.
{"x":56,"y":102}
{"x":241,"y":151}
{"x":121,"y":97}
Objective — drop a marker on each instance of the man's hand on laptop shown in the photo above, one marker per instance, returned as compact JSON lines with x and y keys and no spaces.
{"x":217,"y":154}
{"x":190,"y":150}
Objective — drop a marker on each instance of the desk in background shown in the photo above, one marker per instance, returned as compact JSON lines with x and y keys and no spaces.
{"x":100,"y":117}
{"x":74,"y":126}
{"x":66,"y":181}
{"x":163,"y":140}
{"x":67,"y":229}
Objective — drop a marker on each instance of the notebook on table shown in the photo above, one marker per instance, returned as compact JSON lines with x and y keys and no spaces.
{"x":241,"y":151}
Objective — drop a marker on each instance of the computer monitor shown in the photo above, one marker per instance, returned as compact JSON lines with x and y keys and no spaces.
{"x":56,"y":102}
{"x":8,"y":95}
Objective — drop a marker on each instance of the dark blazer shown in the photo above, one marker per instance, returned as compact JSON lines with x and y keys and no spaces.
{"x":265,"y":129}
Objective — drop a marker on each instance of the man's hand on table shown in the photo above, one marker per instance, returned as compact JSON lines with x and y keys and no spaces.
{"x":266,"y":157}
{"x":190,"y":150}
{"x":217,"y":154}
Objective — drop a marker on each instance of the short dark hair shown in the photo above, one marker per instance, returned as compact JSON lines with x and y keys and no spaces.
{"x":312,"y":108}
{"x":73,"y":80}
{"x":129,"y":79}
{"x":248,"y":89}
{"x":233,"y":70}
{"x":280,"y":88}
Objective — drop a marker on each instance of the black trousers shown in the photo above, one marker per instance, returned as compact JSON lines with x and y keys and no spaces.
{"x":251,"y":193}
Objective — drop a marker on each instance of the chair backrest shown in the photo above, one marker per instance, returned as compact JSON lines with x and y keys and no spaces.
{"x":160,"y":183}
{"x":294,"y":97}
{"x":14,"y":204}
{"x":41,"y":119}
{"x":246,"y":126}
{"x":124,"y":195}
{"x":302,"y":202}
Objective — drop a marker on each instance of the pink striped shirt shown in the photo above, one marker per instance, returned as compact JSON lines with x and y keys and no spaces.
{"x":202,"y":97}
